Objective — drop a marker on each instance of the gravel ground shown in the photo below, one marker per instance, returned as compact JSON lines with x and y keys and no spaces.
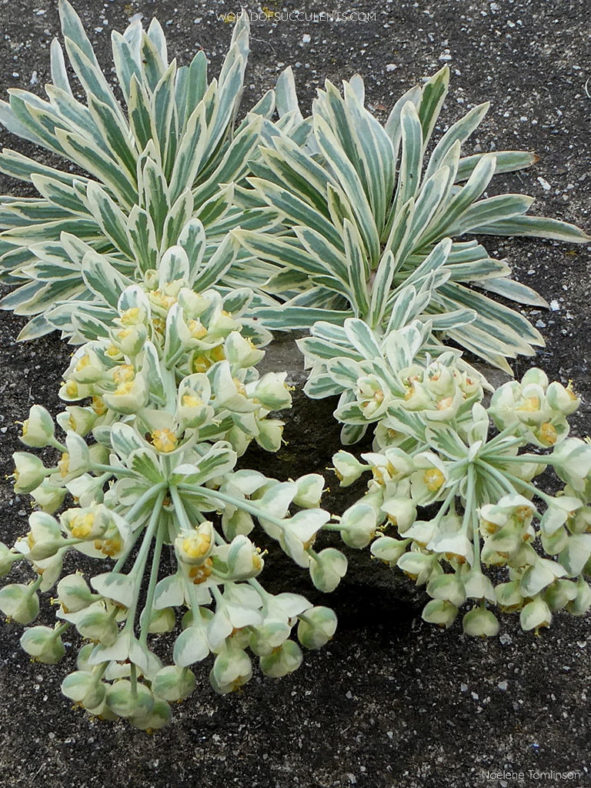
{"x":391,"y":701}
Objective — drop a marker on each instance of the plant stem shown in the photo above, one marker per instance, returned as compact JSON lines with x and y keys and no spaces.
{"x":147,"y":613}
{"x":139,"y":565}
{"x":180,"y":509}
{"x":245,"y":505}
{"x":470,"y":517}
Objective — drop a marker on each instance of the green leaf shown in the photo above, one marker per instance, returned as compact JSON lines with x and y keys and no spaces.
{"x":362,"y":338}
{"x":434,"y":92}
{"x":103,"y":279}
{"x":514,"y":291}
{"x":460,"y":131}
{"x":218,"y":265}
{"x":351,"y":184}
{"x":409,"y":176}
{"x":536,"y":227}
{"x":499,"y":208}
{"x":110,"y":217}
{"x":507,"y":161}
{"x":142,"y":239}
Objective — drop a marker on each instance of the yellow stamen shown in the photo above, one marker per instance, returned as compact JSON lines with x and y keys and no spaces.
{"x":547,"y":434}
{"x":83,"y":362}
{"x":123,"y":373}
{"x":433,"y":479}
{"x":530,"y":404}
{"x":64,"y":464}
{"x":164,"y":440}
{"x":197,"y":329}
{"x":199,"y":574}
{"x":72,"y":389}
{"x":81,"y":525}
{"x":130,"y":316}
{"x":196,"y":545}
{"x":190,"y":401}
{"x":98,"y":406}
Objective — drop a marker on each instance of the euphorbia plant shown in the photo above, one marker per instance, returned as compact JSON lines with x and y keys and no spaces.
{"x":139,"y":260}
{"x":149,"y":466}
{"x":364,"y":207}
{"x":172,"y":152}
{"x":452,"y":495}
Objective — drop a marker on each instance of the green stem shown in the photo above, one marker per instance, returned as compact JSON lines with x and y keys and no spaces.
{"x":180,"y":510}
{"x":138,"y":505}
{"x":57,"y":445}
{"x":193,"y":512}
{"x":496,"y":478}
{"x":444,"y":508}
{"x":139,"y":565}
{"x":256,"y":585}
{"x":539,"y":459}
{"x":144,"y":499}
{"x":147,"y":614}
{"x":114,"y":471}
{"x":133,"y":676}
{"x":34,"y":584}
{"x":520,"y":482}
{"x":245,"y":505}
{"x":471,"y":518}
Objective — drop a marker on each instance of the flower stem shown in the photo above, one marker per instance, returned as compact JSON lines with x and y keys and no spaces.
{"x":147,"y":612}
{"x":245,"y":505}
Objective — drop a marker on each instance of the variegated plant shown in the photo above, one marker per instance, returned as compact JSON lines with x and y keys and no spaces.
{"x":147,"y":469}
{"x":364,"y":207}
{"x":452,"y":495}
{"x":143,"y":171}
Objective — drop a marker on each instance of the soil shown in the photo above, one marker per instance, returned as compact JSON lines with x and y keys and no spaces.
{"x":391,"y":701}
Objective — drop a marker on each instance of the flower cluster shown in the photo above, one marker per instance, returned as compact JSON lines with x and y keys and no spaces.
{"x":181,"y":365}
{"x":474,"y":488}
{"x":149,"y":465}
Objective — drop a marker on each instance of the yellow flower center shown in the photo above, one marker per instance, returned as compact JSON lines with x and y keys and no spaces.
{"x":199,"y":574}
{"x":239,"y":386}
{"x":191,"y":401}
{"x":64,"y":464}
{"x":83,"y":362}
{"x":124,"y":388}
{"x":489,"y":528}
{"x":433,"y":479}
{"x":410,"y":392}
{"x":196,"y":545}
{"x":98,"y":406}
{"x":81,"y":525}
{"x":71,"y":389}
{"x":163,"y":300}
{"x":445,"y":403}
{"x":547,"y":434}
{"x":164,"y":440}
{"x":523,"y":513}
{"x":201,"y":364}
{"x":130,"y":316}
{"x":159,"y":325}
{"x":110,"y":546}
{"x":530,"y":404}
{"x":197,"y":329}
{"x":123,"y":373}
